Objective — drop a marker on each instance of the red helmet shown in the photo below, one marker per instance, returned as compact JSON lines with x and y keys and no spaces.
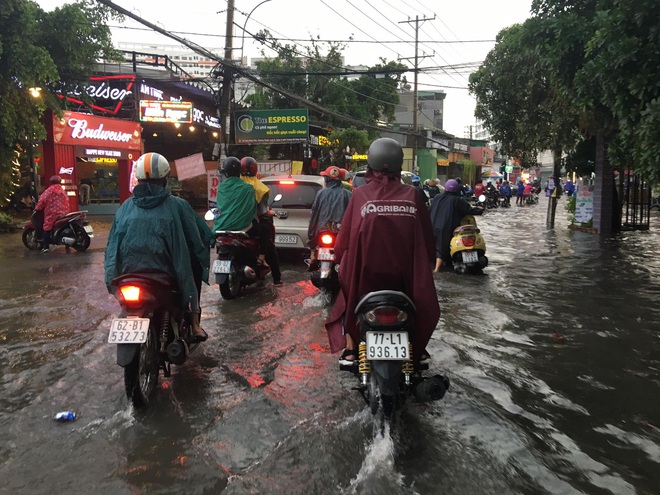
{"x":249,"y":166}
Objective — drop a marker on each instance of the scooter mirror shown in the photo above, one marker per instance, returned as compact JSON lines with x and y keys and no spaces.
{"x":482,"y":197}
{"x":277,"y":197}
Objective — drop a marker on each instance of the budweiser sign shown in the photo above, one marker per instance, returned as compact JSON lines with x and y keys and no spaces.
{"x":90,"y":130}
{"x":107,"y":92}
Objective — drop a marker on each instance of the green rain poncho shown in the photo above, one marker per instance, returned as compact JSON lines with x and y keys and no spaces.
{"x":153,"y":230}
{"x":237,"y":205}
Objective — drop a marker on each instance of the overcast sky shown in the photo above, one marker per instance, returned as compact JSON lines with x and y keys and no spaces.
{"x":375,"y":25}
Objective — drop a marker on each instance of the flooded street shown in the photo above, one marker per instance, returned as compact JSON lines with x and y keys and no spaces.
{"x":553,"y":356}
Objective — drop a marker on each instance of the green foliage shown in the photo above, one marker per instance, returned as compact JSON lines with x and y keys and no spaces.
{"x":51,"y":50}
{"x":313,"y":76}
{"x":570,"y":207}
{"x":469,"y":175}
{"x":357,"y":140}
{"x":6,"y":221}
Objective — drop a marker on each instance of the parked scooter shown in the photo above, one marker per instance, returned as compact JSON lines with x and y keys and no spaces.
{"x":239,"y":263}
{"x":468,"y":247}
{"x":385,"y":367}
{"x":325,"y":275}
{"x":152,"y":332}
{"x":71,"y":230}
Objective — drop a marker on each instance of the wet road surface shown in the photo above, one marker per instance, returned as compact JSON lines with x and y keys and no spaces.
{"x":553,"y":354}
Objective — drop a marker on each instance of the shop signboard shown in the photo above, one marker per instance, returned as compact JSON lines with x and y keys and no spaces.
{"x":584,"y":204}
{"x":174,"y":112}
{"x":272,"y":126}
{"x":80,"y":129}
{"x":103,"y":93}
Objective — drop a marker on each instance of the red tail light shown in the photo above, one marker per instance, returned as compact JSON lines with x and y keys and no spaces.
{"x":287,"y":182}
{"x":386,"y":315}
{"x":327,"y":239}
{"x":130,"y":293}
{"x":468,"y":241}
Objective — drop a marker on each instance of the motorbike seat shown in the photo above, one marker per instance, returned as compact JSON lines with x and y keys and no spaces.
{"x":156,"y":277}
{"x":466,"y":229}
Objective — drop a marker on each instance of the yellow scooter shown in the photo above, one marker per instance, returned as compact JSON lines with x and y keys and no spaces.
{"x":468,"y":247}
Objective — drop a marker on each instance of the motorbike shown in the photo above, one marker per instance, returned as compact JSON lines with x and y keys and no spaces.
{"x":71,"y":230}
{"x":504,"y":201}
{"x":468,"y":247}
{"x":532,"y":199}
{"x":152,"y":332}
{"x":239,"y":263}
{"x":325,"y":277}
{"x":388,"y":377}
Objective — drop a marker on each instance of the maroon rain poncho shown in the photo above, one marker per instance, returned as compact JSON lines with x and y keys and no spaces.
{"x":385,"y":243}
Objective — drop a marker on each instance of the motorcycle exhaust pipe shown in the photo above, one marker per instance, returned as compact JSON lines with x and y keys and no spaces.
{"x":69,"y":241}
{"x":250,"y":274}
{"x":433,"y":388}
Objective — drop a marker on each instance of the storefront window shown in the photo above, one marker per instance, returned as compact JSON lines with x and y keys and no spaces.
{"x":104,"y":178}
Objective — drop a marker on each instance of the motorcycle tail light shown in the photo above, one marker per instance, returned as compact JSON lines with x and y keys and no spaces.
{"x":386,"y":315}
{"x":130,"y":293}
{"x":468,"y":241}
{"x":327,"y":239}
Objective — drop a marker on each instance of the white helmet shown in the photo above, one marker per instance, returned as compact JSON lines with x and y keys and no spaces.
{"x":152,"y":166}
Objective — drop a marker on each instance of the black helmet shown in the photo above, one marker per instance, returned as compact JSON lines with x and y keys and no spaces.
{"x":386,"y":155}
{"x":231,"y":167}
{"x":458,"y":179}
{"x":249,"y":166}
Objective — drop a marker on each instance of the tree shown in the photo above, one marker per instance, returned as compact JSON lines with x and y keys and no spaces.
{"x":319,"y":77}
{"x":54,"y":51}
{"x":354,"y":139}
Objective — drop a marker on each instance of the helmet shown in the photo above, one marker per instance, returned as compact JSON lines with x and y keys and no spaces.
{"x":386,"y":155}
{"x":152,"y":166}
{"x":415,"y":178}
{"x":249,"y":166}
{"x":458,"y":179}
{"x":452,"y":186}
{"x":231,"y":167}
{"x":55,"y":179}
{"x":333,"y":173}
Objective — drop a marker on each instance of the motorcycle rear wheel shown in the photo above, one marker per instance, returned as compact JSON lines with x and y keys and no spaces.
{"x":141,"y":375}
{"x":30,"y":240}
{"x":231,"y":287}
{"x":82,"y":239}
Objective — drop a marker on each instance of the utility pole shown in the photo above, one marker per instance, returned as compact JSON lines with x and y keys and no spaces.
{"x":415,"y":92}
{"x":227,"y":78}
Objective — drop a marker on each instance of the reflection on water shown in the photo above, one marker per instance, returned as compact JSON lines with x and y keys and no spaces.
{"x":553,"y":356}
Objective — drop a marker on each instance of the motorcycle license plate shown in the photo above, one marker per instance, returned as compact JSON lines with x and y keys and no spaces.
{"x":326,"y":254}
{"x":88,"y":229}
{"x":388,"y":346}
{"x":128,"y":331}
{"x":286,"y":239}
{"x":222,"y":266}
{"x":471,"y":257}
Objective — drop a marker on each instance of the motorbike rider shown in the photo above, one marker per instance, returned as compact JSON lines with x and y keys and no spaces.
{"x":327,"y":210}
{"x":237,"y":210}
{"x":447,"y":210}
{"x":431,"y":187}
{"x":505,"y":191}
{"x":249,"y":171}
{"x":54,"y":203}
{"x":385,"y":242}
{"x":156,"y":231}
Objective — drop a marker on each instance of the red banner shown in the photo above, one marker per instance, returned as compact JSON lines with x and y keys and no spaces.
{"x":89,"y":130}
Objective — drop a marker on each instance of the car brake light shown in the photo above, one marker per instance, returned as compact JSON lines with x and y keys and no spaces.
{"x":287,"y":182}
{"x":327,"y":239}
{"x":386,"y":315}
{"x":468,"y":241}
{"x":130,"y":293}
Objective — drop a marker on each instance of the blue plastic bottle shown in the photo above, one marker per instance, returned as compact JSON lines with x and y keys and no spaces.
{"x":65,"y":416}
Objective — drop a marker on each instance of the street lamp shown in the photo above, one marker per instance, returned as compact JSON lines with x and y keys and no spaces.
{"x":245,"y":24}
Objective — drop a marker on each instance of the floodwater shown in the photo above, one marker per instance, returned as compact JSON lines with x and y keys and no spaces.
{"x":553,"y":356}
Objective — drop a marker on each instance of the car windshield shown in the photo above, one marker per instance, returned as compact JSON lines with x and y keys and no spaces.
{"x":294,"y":194}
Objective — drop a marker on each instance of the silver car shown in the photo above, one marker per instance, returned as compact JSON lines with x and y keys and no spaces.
{"x":293,"y":208}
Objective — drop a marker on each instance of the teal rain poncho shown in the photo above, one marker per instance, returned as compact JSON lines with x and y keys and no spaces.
{"x":154,"y":230}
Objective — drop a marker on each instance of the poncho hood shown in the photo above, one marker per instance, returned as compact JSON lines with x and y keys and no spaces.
{"x":149,"y":196}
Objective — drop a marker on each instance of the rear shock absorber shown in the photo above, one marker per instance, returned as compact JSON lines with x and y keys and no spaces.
{"x":407,"y":367}
{"x":364,"y":366}
{"x":164,"y":327}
